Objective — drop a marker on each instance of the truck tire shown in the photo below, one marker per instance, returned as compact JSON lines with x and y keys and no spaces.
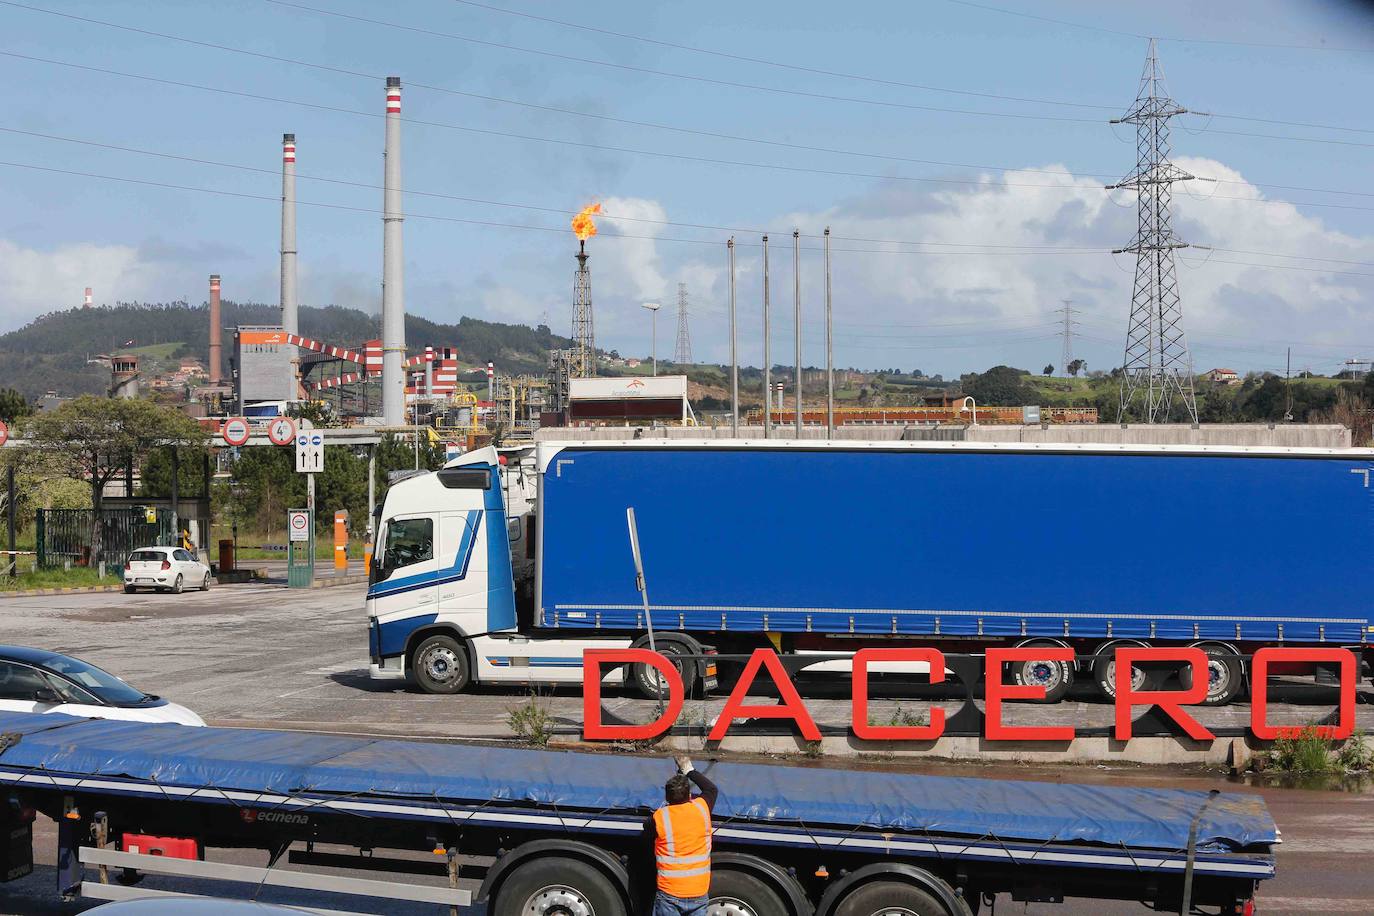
{"x":890,"y":898}
{"x":1104,"y":671}
{"x":1225,"y":675}
{"x":440,"y":665}
{"x":735,"y":893}
{"x":646,"y":680}
{"x":1055,"y":677}
{"x":558,"y":887}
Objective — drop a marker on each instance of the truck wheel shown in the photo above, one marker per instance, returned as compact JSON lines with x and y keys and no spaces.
{"x":441,"y":665}
{"x":558,"y":887}
{"x":890,"y":898}
{"x":735,"y":893}
{"x":1225,"y":676}
{"x":1055,"y":677}
{"x":649,"y":683}
{"x":1104,"y":671}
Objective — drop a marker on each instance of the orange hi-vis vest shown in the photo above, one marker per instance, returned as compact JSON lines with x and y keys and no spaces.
{"x":682,"y":848}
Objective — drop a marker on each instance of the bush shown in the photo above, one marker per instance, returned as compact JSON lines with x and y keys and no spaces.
{"x":1309,"y":752}
{"x":531,"y":722}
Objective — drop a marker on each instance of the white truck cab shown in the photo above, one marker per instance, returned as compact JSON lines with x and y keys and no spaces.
{"x":441,"y":598}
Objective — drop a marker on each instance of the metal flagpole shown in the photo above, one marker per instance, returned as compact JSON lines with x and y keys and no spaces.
{"x":734,"y":354}
{"x":796,"y":319}
{"x":767,"y":359}
{"x":829,"y":348}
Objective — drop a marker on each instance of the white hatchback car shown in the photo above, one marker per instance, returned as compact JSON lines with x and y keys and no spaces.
{"x":38,"y":681}
{"x":171,"y":569}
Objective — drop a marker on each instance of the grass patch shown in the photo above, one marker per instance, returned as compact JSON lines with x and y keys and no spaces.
{"x":76,"y":577}
{"x":1310,"y":753}
{"x":531,"y":722}
{"x":900,"y":718}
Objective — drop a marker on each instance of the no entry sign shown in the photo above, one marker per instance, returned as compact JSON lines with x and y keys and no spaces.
{"x":235,"y":431}
{"x":281,"y":431}
{"x":298,"y":524}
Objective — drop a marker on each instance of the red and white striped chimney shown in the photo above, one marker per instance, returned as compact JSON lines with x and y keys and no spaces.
{"x":87,"y":302}
{"x":216,"y":373}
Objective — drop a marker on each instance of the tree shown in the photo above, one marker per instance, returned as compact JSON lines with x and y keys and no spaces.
{"x":1076,"y":367}
{"x":13,"y":406}
{"x":1048,"y":370}
{"x":1001,"y":386}
{"x":94,"y":439}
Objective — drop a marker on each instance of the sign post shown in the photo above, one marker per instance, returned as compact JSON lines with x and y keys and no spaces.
{"x":300,"y":548}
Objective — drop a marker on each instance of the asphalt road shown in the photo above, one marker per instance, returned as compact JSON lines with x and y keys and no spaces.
{"x":263,"y":656}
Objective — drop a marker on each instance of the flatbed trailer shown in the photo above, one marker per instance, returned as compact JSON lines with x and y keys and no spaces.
{"x":562,"y":832}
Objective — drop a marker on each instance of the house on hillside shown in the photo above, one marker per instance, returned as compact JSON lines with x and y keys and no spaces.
{"x":1223,"y":376}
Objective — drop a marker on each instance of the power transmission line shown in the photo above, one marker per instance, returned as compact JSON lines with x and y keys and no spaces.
{"x":1156,"y":360}
{"x":1066,"y":352}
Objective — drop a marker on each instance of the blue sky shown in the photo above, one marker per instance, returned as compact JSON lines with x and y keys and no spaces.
{"x":1023,"y":193}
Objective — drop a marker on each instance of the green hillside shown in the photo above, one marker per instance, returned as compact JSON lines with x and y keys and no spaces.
{"x":51,"y":353}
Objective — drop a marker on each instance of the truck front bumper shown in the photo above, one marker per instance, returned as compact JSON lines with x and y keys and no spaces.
{"x":388,"y":669}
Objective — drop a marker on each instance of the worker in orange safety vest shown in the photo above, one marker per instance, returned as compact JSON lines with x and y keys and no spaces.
{"x":681,"y":829}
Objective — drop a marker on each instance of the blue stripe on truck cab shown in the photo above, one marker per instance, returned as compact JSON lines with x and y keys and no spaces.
{"x":391,"y":636}
{"x":452,"y":573}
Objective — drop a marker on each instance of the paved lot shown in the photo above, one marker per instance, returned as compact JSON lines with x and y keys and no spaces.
{"x":264,"y":656}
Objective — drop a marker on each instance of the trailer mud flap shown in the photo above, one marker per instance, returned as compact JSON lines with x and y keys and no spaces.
{"x":16,"y":840}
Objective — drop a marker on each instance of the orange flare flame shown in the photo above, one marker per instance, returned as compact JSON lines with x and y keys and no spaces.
{"x":582,"y":224}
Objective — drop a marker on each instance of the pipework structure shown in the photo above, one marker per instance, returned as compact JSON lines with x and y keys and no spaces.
{"x":393,"y":260}
{"x":1156,"y":361}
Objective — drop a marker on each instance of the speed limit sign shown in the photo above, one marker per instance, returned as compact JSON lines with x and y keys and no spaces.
{"x":235,"y":431}
{"x":4,"y":433}
{"x":281,"y":431}
{"x":298,"y":524}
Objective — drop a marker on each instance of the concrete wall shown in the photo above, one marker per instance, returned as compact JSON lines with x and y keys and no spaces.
{"x":1251,"y":434}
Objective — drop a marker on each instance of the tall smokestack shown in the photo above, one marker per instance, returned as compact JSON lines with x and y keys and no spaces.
{"x":393,"y":283}
{"x":86,"y":303}
{"x":216,"y":374}
{"x":289,"y":321}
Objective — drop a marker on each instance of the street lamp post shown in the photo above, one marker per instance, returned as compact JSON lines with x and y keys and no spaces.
{"x":970,"y":404}
{"x":653,"y":308}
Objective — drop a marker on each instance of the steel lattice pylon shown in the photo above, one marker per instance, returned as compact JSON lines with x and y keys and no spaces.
{"x":583,"y":329}
{"x":682,"y":353}
{"x":1156,"y":359}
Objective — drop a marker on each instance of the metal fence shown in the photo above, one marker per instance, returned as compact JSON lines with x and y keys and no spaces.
{"x":64,"y":535}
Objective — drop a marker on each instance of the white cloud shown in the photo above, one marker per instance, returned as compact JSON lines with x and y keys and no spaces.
{"x":34,"y":282}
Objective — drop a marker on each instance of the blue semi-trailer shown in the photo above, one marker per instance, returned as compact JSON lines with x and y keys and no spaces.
{"x":507,"y":572}
{"x":557,"y":833}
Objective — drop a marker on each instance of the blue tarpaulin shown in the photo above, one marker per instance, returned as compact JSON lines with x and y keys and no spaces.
{"x":297,"y":762}
{"x":291,"y":762}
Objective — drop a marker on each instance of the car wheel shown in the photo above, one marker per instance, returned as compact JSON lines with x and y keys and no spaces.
{"x":441,"y":665}
{"x":176,"y":586}
{"x":205,"y":583}
{"x":129,"y":589}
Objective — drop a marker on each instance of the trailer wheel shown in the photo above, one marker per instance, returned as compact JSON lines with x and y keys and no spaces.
{"x":1104,"y":670}
{"x":1225,"y":675}
{"x":735,"y":893}
{"x":1055,"y":677}
{"x":890,"y":898}
{"x":558,"y":887}
{"x":441,"y":665}
{"x":648,"y":682}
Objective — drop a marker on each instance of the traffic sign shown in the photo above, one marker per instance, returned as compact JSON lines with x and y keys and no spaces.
{"x":310,"y":451}
{"x":235,"y":431}
{"x":4,"y":433}
{"x":298,"y":524}
{"x":281,"y":431}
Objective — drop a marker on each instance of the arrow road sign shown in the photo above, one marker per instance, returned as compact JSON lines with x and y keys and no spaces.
{"x":310,"y":451}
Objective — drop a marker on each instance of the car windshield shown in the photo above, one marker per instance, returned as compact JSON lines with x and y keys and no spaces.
{"x":145,"y":556}
{"x":105,"y":686}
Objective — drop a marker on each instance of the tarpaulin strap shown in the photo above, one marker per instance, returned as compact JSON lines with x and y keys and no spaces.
{"x":1186,"y":905}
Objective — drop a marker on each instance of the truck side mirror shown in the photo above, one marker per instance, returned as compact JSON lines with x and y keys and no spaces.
{"x":46,"y":695}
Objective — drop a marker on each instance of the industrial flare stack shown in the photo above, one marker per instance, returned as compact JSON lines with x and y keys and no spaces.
{"x":583,"y":327}
{"x":393,"y":282}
